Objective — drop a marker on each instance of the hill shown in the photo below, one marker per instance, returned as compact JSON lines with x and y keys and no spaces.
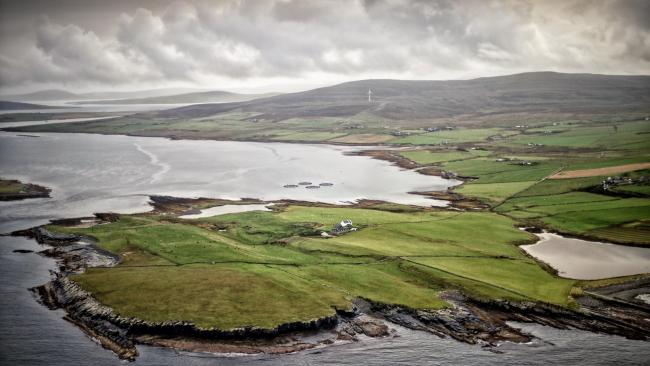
{"x":16,"y":106}
{"x":43,"y":95}
{"x":400,"y":111}
{"x":58,"y":94}
{"x":215,"y":96}
{"x":406,"y":99}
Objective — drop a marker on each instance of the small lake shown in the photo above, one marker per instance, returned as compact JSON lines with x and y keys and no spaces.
{"x":589,"y":260}
{"x":226,"y":209}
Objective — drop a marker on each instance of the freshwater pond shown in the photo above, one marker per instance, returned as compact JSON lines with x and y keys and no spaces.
{"x":226,"y":209}
{"x":589,"y":260}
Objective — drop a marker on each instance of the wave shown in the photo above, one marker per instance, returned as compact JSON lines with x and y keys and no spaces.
{"x":153,"y":159}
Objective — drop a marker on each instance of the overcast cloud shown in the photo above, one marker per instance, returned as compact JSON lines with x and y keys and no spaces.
{"x":256,"y":44}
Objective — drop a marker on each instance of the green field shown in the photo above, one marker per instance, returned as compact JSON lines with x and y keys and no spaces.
{"x":593,"y":135}
{"x":214,"y":271}
{"x":524,"y":193}
{"x":440,"y":156}
{"x":453,"y":136}
{"x":493,"y":192}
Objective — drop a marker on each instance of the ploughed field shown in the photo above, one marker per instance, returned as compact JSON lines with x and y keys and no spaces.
{"x":263,"y":269}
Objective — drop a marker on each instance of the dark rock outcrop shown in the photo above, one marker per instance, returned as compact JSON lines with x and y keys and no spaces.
{"x":44,"y":236}
{"x":473,"y":321}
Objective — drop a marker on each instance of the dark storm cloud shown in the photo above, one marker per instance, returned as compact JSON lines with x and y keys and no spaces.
{"x":206,"y":42}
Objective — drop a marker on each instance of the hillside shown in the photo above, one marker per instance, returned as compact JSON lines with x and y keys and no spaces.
{"x":215,"y":96}
{"x":43,"y":95}
{"x":400,"y":111}
{"x":16,"y":106}
{"x":403,"y":99}
{"x":58,"y":94}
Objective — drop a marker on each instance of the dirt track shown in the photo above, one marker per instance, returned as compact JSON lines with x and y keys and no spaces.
{"x":611,"y":170}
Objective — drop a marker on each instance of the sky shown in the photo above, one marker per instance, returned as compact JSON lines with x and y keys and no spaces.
{"x":288,"y":45}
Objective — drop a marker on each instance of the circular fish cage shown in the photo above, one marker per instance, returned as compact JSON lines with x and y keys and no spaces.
{"x":290,"y":186}
{"x":312,"y":187}
{"x":326,"y":184}
{"x":305,"y":183}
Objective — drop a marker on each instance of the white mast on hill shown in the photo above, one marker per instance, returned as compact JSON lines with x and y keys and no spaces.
{"x":369,"y":96}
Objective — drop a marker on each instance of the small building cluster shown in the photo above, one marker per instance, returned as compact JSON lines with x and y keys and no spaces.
{"x":526,"y":163}
{"x":400,"y":133}
{"x":612,"y":182}
{"x":343,"y":227}
{"x":516,"y":162}
{"x":436,"y":129}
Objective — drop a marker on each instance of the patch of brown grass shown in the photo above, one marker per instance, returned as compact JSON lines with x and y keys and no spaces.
{"x":597,"y":172}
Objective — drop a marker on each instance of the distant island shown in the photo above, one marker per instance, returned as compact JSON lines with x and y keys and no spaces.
{"x":16,"y":106}
{"x":12,"y":190}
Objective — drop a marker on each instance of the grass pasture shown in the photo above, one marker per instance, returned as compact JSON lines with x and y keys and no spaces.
{"x":454,"y":136}
{"x":440,"y":156}
{"x":195,"y":271}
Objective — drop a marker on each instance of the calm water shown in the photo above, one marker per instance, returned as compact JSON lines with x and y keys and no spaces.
{"x":93,"y":173}
{"x":589,"y":260}
{"x":104,"y":173}
{"x":226,"y":209}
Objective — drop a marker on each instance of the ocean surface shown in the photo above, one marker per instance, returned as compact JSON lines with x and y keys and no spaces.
{"x":116,"y":173}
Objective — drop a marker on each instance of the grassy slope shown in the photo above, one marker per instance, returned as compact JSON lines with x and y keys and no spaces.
{"x":224,"y":296}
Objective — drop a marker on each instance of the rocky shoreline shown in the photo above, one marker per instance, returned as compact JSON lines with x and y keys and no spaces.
{"x":468,"y":320}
